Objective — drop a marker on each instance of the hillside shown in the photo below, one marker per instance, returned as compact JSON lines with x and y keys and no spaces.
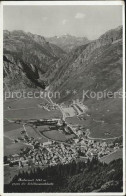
{"x":31,"y":62}
{"x":92,"y":176}
{"x":94,"y":67}
{"x":68,"y":42}
{"x":26,"y":58}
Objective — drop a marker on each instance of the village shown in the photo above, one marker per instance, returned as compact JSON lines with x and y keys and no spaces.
{"x":56,"y":152}
{"x":53,"y":152}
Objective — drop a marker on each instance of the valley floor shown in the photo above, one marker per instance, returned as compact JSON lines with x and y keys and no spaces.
{"x":33,"y":125}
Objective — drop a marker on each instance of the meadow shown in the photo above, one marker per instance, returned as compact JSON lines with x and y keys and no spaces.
{"x":9,"y":126}
{"x":27,"y":108}
{"x":14,"y":148}
{"x":104,"y":130}
{"x":31,"y":113}
{"x":113,"y":156}
{"x":24,"y":103}
{"x":56,"y":135}
{"x":31,"y":132}
{"x":98,"y":128}
{"x":14,"y":134}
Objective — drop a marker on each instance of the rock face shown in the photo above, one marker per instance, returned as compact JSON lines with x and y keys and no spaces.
{"x":26,"y":58}
{"x":68,"y":42}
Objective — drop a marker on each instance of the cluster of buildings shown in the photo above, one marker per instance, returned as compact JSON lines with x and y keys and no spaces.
{"x":76,"y":108}
{"x":90,"y":148}
{"x":61,"y":153}
{"x":50,"y":153}
{"x":79,"y":131}
{"x":53,"y":153}
{"x":48,"y":106}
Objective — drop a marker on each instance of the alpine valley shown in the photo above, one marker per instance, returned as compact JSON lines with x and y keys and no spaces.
{"x":75,"y":137}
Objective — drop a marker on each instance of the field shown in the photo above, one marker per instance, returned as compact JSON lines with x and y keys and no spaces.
{"x":56,"y":135}
{"x":43,"y":139}
{"x":13,"y":148}
{"x":116,"y":155}
{"x":35,"y":134}
{"x":31,"y":113}
{"x":23,"y":103}
{"x":14,"y":134}
{"x":98,"y":128}
{"x":8,"y":102}
{"x":31,"y":132}
{"x":109,"y":111}
{"x":28,"y":109}
{"x":7,"y":141}
{"x":43,"y":128}
{"x":8,"y":126}
{"x":75,"y":121}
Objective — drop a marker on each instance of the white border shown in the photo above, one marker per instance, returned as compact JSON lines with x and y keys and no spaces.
{"x":63,"y":3}
{"x":51,"y":3}
{"x":1,"y":98}
{"x":124,"y":90}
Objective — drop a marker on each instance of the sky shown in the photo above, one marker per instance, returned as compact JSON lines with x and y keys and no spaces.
{"x":48,"y":21}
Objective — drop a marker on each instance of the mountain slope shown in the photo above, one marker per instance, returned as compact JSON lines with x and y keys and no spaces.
{"x":96,"y":66}
{"x":75,"y":177}
{"x":26,"y":58}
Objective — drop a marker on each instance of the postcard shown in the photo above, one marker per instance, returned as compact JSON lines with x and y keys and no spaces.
{"x":63,"y":87}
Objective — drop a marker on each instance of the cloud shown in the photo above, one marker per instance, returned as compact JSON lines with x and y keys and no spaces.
{"x":64,"y":21}
{"x":79,"y":15}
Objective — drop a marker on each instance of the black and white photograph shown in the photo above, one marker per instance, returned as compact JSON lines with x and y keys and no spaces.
{"x":63,"y":97}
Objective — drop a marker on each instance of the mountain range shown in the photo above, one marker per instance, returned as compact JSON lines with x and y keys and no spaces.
{"x":68,"y":42}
